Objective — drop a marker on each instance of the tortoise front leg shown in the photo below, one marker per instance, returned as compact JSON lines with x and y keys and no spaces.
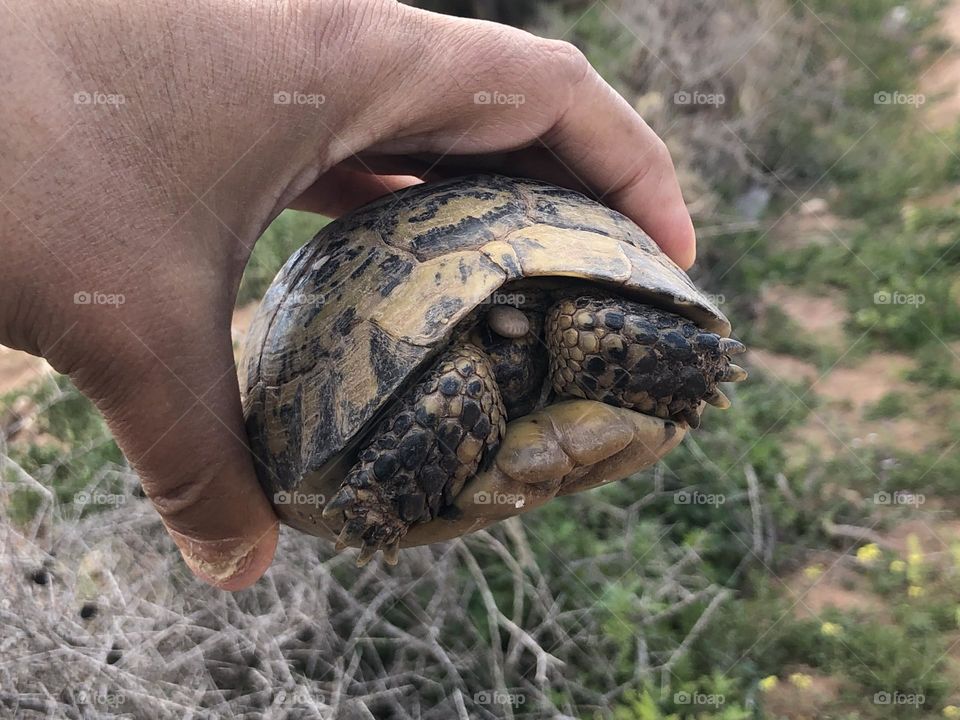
{"x":419,"y":458}
{"x":638,"y":357}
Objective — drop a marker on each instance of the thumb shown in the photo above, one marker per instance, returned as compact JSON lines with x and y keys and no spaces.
{"x":168,"y":390}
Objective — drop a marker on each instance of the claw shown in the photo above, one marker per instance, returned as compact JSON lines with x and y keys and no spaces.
{"x":730,"y":346}
{"x":366,"y":554}
{"x":391,"y":552}
{"x":718,"y":399}
{"x":344,"y":498}
{"x":733,"y":373}
{"x":348,"y":536}
{"x":692,"y":418}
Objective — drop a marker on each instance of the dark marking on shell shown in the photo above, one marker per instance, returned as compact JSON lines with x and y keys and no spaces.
{"x":362,"y":268}
{"x":346,"y":320}
{"x":394,"y":270}
{"x":390,"y":360}
{"x":444,"y":309}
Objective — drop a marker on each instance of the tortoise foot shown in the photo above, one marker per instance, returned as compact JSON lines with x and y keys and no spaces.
{"x":373,"y":531}
{"x":638,"y":357}
{"x":420,"y":457}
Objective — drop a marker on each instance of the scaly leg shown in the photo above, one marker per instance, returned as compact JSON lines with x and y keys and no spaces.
{"x":638,"y":357}
{"x":420,"y":457}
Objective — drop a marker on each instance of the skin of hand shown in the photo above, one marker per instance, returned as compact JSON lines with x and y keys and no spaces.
{"x":147,"y":145}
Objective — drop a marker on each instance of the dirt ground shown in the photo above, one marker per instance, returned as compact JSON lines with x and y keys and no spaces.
{"x":18,"y":369}
{"x":941,"y":82}
{"x":844,"y":393}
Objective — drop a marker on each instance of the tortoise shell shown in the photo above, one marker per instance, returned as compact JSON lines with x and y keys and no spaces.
{"x":362,"y":309}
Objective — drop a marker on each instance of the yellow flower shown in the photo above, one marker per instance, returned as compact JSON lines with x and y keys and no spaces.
{"x":813,"y":572}
{"x":898,"y":566}
{"x":768,"y":683}
{"x":868,"y":554}
{"x":951,"y":711}
{"x":831,"y":629}
{"x":915,"y":591}
{"x":800,"y":680}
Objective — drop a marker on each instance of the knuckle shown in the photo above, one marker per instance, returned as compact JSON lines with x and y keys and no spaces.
{"x":658,"y":155}
{"x":655,"y":164}
{"x":568,"y":59}
{"x":182,"y":494}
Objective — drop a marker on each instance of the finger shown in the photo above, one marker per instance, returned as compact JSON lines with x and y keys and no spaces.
{"x":657,"y":207}
{"x":345,"y":188}
{"x":606,"y":144}
{"x":172,"y":402}
{"x":527,"y":93}
{"x":564,"y":448}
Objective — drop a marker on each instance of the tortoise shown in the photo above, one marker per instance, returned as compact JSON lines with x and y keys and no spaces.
{"x":390,"y":352}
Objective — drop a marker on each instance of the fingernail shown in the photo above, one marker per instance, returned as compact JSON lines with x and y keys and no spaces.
{"x":229,"y":564}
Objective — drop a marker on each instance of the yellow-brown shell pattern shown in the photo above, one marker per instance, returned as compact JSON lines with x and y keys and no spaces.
{"x":376,"y":295}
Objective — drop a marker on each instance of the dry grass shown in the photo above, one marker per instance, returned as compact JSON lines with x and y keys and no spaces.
{"x":100,"y":617}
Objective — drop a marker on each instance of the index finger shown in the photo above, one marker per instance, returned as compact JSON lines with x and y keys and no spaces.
{"x":606,"y":144}
{"x":551,"y":117}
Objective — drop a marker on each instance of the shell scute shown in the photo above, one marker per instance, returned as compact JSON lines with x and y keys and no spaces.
{"x":438,"y":293}
{"x":451,"y":216}
{"x":548,"y":250}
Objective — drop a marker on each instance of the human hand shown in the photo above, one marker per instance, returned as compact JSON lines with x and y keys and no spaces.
{"x":147,"y":147}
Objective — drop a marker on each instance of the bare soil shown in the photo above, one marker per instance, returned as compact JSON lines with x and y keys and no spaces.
{"x":782,"y":366}
{"x":795,"y":703}
{"x":18,"y":369}
{"x":941,"y":82}
{"x":841,"y":397}
{"x":822,"y":316}
{"x":839,"y":586}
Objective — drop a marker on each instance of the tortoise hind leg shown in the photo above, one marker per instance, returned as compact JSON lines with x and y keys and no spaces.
{"x":638,"y":357}
{"x":419,"y":458}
